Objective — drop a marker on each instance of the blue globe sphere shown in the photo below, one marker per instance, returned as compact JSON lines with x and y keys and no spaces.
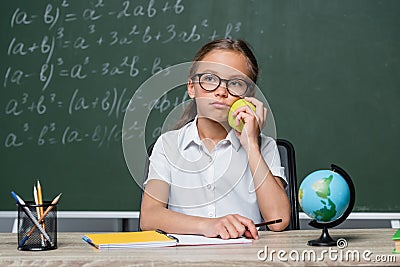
{"x":324,"y":196}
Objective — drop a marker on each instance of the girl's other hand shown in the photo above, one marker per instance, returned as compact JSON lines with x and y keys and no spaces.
{"x":261,"y":111}
{"x":253,"y":123}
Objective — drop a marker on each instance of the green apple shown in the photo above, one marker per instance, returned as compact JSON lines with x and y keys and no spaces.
{"x":232,"y":120}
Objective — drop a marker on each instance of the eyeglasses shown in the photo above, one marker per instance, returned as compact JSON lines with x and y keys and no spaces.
{"x":210,"y":82}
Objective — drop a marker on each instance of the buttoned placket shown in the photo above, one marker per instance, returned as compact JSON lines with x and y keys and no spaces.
{"x":210,"y":184}
{"x":212,"y":212}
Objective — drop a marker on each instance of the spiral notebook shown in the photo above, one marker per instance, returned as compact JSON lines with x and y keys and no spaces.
{"x":147,"y":239}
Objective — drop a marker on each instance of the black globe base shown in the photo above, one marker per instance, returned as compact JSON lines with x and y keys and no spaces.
{"x":324,"y":240}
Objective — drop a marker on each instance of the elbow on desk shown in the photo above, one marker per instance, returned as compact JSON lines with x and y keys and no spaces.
{"x":150,"y":219}
{"x":279,"y":227}
{"x":144,"y":223}
{"x":144,"y":227}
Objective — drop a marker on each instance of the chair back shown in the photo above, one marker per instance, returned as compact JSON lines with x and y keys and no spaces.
{"x":288,"y":161}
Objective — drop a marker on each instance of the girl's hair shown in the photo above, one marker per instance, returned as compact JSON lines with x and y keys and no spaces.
{"x":239,"y":46}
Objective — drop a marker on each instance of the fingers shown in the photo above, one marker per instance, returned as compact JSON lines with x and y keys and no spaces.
{"x":247,"y":234}
{"x":251,"y":230}
{"x":244,"y":114}
{"x":234,"y":226}
{"x":250,"y":120}
{"x":245,"y":109}
{"x":230,"y":227}
{"x":261,"y":111}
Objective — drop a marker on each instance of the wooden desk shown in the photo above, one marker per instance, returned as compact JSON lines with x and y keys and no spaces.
{"x":72,"y":251}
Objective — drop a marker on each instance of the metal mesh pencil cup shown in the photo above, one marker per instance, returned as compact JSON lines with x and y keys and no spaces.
{"x":29,"y":235}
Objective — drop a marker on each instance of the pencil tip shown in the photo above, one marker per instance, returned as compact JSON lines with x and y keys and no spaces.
{"x":56,"y":199}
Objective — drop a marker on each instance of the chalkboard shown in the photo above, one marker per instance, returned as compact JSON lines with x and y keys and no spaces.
{"x":329,"y":69}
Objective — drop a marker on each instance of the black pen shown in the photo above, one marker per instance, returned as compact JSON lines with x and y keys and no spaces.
{"x":265,"y":223}
{"x":268,"y":223}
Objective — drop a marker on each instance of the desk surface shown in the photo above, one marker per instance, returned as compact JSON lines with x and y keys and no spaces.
{"x":373,"y":246}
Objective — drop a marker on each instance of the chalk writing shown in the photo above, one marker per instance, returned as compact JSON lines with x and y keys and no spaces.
{"x":70,"y":68}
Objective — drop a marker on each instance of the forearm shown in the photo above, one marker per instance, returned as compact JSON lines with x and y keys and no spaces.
{"x":271,"y":195}
{"x":229,"y":226}
{"x":155,"y":215}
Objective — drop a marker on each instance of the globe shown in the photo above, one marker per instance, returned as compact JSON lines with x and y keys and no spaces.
{"x":324,"y":195}
{"x":327,"y":197}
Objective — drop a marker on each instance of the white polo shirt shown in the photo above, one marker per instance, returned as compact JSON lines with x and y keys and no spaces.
{"x":209,"y":184}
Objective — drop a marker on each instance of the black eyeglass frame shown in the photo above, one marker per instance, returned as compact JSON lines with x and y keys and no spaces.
{"x":198,"y":75}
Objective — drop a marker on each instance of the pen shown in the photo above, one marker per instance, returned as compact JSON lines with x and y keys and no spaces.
{"x":49,"y":208}
{"x":268,"y":223}
{"x":30,"y":215}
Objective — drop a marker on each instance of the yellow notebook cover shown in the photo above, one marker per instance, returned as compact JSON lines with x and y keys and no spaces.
{"x":129,"y":240}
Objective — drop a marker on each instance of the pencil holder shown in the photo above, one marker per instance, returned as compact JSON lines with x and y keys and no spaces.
{"x":35,"y":234}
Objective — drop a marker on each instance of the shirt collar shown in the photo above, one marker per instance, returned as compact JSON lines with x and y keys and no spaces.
{"x":190,"y":134}
{"x":233,"y":139}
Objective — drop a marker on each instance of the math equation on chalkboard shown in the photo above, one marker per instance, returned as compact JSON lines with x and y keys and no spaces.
{"x":69,"y":69}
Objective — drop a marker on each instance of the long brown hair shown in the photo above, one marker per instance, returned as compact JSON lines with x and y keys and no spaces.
{"x":240,"y":46}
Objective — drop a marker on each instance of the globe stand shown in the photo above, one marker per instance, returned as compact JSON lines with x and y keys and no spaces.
{"x":324,"y":240}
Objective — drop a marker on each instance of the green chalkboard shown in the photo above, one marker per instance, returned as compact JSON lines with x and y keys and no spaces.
{"x":329,"y":69}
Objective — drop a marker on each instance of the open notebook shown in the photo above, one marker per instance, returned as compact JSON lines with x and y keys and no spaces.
{"x":148,"y":239}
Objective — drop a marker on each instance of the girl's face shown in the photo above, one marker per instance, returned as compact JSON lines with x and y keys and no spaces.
{"x":226,"y":65}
